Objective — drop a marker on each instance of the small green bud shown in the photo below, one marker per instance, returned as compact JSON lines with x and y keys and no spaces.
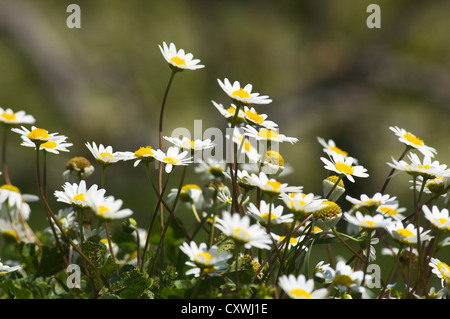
{"x":129,"y":225}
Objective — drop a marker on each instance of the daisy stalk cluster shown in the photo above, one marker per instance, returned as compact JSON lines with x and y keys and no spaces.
{"x":239,"y":230}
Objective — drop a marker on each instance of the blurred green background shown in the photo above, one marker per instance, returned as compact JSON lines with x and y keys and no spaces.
{"x":328,"y":74}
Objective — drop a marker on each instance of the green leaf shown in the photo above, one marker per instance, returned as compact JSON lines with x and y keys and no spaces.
{"x":131,"y":284}
{"x":30,"y":256}
{"x":51,"y":261}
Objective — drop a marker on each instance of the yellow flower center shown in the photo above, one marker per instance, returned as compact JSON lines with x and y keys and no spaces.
{"x":413,"y":139}
{"x":102,"y":210}
{"x":266,"y":216}
{"x":38,"y":134}
{"x":143,"y":151}
{"x":254,"y":117}
{"x":338,"y":150}
{"x":8,"y":117}
{"x":292,"y":240}
{"x":205,"y":255}
{"x":231,"y":110}
{"x":372,"y":202}
{"x":241,"y":93}
{"x":389,"y":211}
{"x":170,"y":160}
{"x":274,"y":158}
{"x":425,"y":167}
{"x":369,"y":223}
{"x":444,"y":269}
{"x":49,"y":144}
{"x":106,"y":154}
{"x":274,"y":185}
{"x":178,"y":60}
{"x":344,"y":168}
{"x":11,"y":188}
{"x":300,"y":293}
{"x":405,"y":232}
{"x":343,"y":280}
{"x":334,"y":179}
{"x":267,"y":134}
{"x":241,"y":235}
{"x":79,"y":197}
{"x":443,"y":220}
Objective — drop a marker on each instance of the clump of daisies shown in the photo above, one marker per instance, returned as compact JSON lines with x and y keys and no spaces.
{"x":220,"y":219}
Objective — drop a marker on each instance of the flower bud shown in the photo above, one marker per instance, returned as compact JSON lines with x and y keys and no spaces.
{"x":129,"y":225}
{"x":77,"y":168}
{"x":328,"y":183}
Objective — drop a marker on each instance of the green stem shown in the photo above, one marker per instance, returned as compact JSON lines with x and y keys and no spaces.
{"x":334,"y":186}
{"x":388,"y":179}
{"x":347,"y":245}
{"x":4,"y":165}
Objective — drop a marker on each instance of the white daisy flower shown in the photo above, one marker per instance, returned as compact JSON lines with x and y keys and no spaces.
{"x":190,"y":145}
{"x":143,"y":154}
{"x":432,"y":186}
{"x":173,"y":157}
{"x":245,"y":145}
{"x":273,"y":163}
{"x":11,"y":195}
{"x":302,"y":204}
{"x":67,"y":219}
{"x":243,"y":179}
{"x":344,"y":166}
{"x":242,"y":95}
{"x":266,"y":211}
{"x":293,"y":241}
{"x":265,"y":134}
{"x":439,"y":219}
{"x":344,"y":278}
{"x":204,"y":260}
{"x":190,"y":194}
{"x":406,"y":235}
{"x":330,"y":148}
{"x":53,"y":145}
{"x":440,"y":269}
{"x":211,"y":168}
{"x":8,"y":116}
{"x":375,"y":201}
{"x":301,"y":288}
{"x":37,"y":135}
{"x":252,"y":117}
{"x":76,"y":194}
{"x":107,"y":208}
{"x":366,"y":221}
{"x":230,"y":112}
{"x":5,"y":268}
{"x":105,"y":155}
{"x":328,"y":216}
{"x":272,"y":186}
{"x":427,"y":169}
{"x":239,"y":229}
{"x":179,"y":60}
{"x":393,"y":211}
{"x":413,"y":141}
